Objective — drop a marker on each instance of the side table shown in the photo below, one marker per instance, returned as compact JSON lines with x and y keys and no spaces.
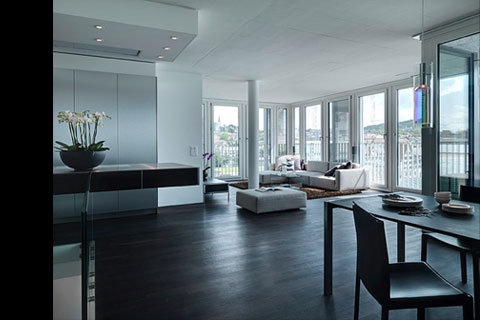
{"x":215,"y":186}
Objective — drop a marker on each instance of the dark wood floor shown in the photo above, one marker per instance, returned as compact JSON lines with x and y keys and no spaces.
{"x":219,"y":262}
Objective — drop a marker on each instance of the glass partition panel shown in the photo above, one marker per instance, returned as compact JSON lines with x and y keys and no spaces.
{"x":339,"y":130}
{"x":313,"y":133}
{"x":409,"y":143}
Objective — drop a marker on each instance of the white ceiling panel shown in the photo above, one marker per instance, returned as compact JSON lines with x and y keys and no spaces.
{"x":303,"y":49}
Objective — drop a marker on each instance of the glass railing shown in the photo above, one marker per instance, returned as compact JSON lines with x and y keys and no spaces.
{"x":73,"y":255}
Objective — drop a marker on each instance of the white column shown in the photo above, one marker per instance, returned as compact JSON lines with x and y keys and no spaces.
{"x":253,"y":178}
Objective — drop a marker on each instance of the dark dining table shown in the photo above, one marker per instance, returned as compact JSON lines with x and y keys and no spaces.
{"x":462,"y":226}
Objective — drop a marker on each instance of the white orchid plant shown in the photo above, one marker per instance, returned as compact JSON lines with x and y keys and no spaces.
{"x":81,"y":132}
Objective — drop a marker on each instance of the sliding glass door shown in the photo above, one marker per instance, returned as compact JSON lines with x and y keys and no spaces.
{"x":372,"y":144}
{"x":313,"y":133}
{"x":408,"y":141}
{"x":226,"y":145}
{"x":458,"y":77}
{"x":339,"y":130}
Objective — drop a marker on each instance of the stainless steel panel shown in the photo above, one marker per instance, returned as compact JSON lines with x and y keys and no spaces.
{"x":137,"y":120}
{"x":63,"y":206}
{"x":137,"y":133}
{"x":97,"y":91}
{"x":62,"y":100}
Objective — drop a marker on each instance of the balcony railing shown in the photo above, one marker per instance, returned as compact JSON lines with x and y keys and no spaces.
{"x":453,"y":159}
{"x":409,"y":164}
{"x":313,"y":150}
{"x":226,"y":161}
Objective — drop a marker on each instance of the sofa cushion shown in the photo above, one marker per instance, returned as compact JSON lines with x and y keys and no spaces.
{"x":298,"y":163}
{"x":280,"y":161}
{"x":338,"y":165}
{"x":318,"y":166}
{"x":323,"y":182}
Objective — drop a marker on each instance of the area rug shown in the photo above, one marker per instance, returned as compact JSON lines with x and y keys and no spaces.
{"x":312,"y":193}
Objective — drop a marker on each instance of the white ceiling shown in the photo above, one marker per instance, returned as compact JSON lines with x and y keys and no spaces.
{"x":303,"y":49}
{"x":132,"y":29}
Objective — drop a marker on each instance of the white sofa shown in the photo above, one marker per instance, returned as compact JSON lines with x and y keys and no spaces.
{"x":314,"y":176}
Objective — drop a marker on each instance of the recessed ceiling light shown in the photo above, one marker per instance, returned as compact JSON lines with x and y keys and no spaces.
{"x":160,"y":57}
{"x":99,"y":27}
{"x":98,"y":39}
{"x":173,"y":38}
{"x":166,"y":48}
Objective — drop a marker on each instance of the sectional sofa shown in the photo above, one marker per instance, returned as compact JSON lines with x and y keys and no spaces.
{"x":314,"y":176}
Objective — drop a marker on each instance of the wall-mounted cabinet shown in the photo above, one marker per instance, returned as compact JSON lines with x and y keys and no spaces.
{"x":131,"y":134}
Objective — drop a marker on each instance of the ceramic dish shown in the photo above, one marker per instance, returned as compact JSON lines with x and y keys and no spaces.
{"x":409,"y":202}
{"x":457,"y":208}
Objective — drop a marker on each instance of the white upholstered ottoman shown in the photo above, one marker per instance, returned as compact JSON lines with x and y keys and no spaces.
{"x":269,"y":201}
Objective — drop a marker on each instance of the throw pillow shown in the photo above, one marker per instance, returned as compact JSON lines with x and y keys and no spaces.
{"x":290,"y":163}
{"x":279,"y":163}
{"x":331,"y":172}
{"x":298,"y":163}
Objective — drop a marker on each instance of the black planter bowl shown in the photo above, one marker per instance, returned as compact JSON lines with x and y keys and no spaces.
{"x":82,"y":160}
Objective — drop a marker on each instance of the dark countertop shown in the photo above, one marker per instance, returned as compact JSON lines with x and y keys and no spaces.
{"x":125,"y":167}
{"x":124,"y":177}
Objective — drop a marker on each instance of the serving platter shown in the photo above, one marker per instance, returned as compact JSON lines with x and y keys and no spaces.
{"x":404,"y":202}
{"x":457,"y":208}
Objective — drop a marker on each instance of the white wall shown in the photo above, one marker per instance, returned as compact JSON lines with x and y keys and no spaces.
{"x":179,"y":100}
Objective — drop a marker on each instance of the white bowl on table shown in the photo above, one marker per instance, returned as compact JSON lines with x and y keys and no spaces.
{"x":442,"y":196}
{"x":443,"y":200}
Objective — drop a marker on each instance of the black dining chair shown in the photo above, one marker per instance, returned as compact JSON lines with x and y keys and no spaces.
{"x":404,"y":285}
{"x":469,"y":194}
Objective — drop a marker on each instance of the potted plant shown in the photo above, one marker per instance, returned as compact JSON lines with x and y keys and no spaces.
{"x":206,"y":156}
{"x":85,"y":152}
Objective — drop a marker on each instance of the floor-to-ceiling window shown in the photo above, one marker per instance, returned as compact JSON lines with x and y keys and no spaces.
{"x":225,"y":129}
{"x":408,"y":142}
{"x":264,"y":138}
{"x":457,"y":124}
{"x":339,"y":130}
{"x":296,"y":130}
{"x":313,"y":133}
{"x":282,"y":130}
{"x":372,"y":144}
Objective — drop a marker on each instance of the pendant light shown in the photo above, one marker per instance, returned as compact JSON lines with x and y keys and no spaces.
{"x":422,"y":84}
